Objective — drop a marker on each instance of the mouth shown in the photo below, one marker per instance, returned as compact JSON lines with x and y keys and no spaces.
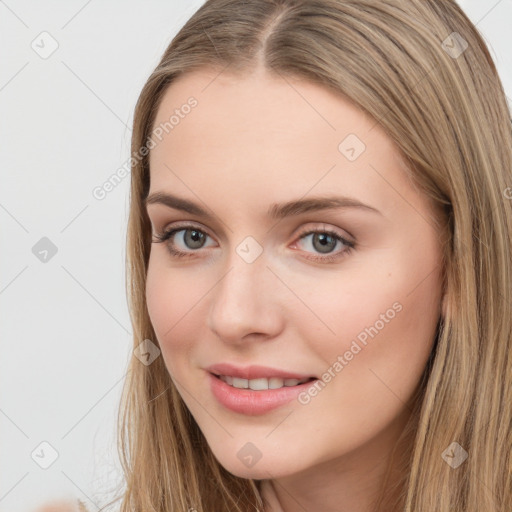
{"x":256,"y":396}
{"x":262,"y":383}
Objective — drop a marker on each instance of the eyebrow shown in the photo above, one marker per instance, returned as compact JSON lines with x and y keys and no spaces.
{"x":276,"y":211}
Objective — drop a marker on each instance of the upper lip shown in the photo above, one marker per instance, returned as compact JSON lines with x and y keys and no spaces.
{"x":254,"y":372}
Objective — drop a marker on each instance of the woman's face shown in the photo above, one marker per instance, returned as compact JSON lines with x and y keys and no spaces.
{"x":349,"y":295}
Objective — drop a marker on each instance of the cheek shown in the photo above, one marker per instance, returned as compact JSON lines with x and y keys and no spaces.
{"x":175,"y":301}
{"x":158,"y":296}
{"x":384,"y":320}
{"x":397,"y":338}
{"x":167,"y":301}
{"x":341,"y":306}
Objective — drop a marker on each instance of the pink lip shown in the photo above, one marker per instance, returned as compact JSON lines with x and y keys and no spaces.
{"x":253,"y":372}
{"x":251,"y":403}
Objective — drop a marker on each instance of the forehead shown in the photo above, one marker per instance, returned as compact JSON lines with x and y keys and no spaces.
{"x":272,"y":137}
{"x":259,"y":108}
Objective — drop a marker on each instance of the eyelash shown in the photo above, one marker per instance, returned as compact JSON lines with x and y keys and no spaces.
{"x":166,"y":235}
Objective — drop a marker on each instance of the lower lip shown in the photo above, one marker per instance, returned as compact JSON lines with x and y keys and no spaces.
{"x":250,"y":402}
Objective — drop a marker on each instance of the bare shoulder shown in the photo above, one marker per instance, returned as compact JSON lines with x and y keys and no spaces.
{"x":63,"y":506}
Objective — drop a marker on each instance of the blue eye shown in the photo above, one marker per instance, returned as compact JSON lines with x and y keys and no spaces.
{"x":324,"y":241}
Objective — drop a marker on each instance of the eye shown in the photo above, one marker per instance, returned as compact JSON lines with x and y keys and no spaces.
{"x":324,"y":241}
{"x":193,"y":238}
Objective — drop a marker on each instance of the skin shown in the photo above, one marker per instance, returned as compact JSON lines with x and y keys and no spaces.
{"x":251,"y":142}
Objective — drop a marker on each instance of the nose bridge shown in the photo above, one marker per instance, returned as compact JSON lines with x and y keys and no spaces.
{"x":243,"y":285}
{"x":243,"y":301}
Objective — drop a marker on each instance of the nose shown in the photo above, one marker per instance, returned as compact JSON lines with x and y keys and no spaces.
{"x":245,"y":303}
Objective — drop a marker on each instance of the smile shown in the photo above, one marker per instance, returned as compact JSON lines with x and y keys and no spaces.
{"x":239,"y":397}
{"x":262,"y":383}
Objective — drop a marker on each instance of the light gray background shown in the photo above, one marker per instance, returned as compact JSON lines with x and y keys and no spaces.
{"x":65,"y":129}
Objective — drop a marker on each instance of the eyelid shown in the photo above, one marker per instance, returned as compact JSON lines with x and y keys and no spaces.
{"x":327,"y":228}
{"x":349,"y":242}
{"x":302,"y":230}
{"x":178,"y":226}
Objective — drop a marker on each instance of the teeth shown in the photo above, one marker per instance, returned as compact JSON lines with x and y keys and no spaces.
{"x":260,"y":384}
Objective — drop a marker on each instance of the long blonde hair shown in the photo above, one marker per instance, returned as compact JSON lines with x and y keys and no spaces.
{"x":422,"y":71}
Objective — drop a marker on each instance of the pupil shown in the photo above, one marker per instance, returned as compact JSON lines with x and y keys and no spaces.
{"x":194,"y":236}
{"x":325,"y":245}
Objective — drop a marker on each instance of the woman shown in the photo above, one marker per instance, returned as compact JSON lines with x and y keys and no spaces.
{"x":319,"y":250}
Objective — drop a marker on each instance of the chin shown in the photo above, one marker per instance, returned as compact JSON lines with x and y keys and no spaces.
{"x":257,"y":472}
{"x":264,"y":468}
